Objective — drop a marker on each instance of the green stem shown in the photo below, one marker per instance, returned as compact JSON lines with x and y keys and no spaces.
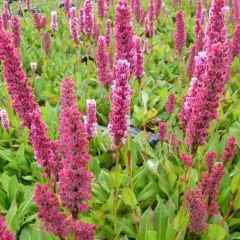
{"x":115,"y":197}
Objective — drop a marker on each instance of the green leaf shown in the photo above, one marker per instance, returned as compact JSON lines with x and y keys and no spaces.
{"x":214,"y":232}
{"x":235,"y":184}
{"x":161,"y":220}
{"x":129,"y":197}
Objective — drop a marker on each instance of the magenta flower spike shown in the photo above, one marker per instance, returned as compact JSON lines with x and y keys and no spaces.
{"x":102,"y":60}
{"x":124,"y":34}
{"x":54,"y":21}
{"x":5,"y":20}
{"x":197,"y":209}
{"x":210,"y":159}
{"x":46,"y":42}
{"x":235,"y":43}
{"x":173,"y":140}
{"x":170,"y":105}
{"x":68,"y":94}
{"x":108,"y":34}
{"x":4,"y":119}
{"x":23,"y":102}
{"x":91,"y":122}
{"x":186,"y":160}
{"x":5,"y":234}
{"x":88,"y":17}
{"x":74,"y":178}
{"x":158,"y":8}
{"x":6,"y":9}
{"x":102,"y":8}
{"x":230,"y":150}
{"x":215,"y":29}
{"x":16,"y":31}
{"x":137,"y":10}
{"x":81,"y":20}
{"x":28,"y":4}
{"x":49,"y":212}
{"x":151,"y":16}
{"x":162,"y":131}
{"x":139,"y":71}
{"x":74,"y":28}
{"x":180,"y":33}
{"x":121,"y":98}
{"x":84,"y":231}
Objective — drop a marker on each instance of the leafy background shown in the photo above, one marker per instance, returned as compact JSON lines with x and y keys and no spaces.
{"x":150,"y":199}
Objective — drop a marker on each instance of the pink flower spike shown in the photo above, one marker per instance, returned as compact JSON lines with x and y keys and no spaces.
{"x":108,"y":35}
{"x":197,"y":209}
{"x":28,"y":3}
{"x":180,"y":33}
{"x":102,"y":60}
{"x":121,"y":98}
{"x":54,"y":21}
{"x":162,"y":131}
{"x":158,"y":8}
{"x":235,"y":43}
{"x":74,"y":28}
{"x":68,"y":94}
{"x":186,"y":160}
{"x":16,"y":31}
{"x":49,"y":212}
{"x":88,"y":17}
{"x":139,"y":71}
{"x":85,"y":231}
{"x":5,"y":234}
{"x":102,"y":8}
{"x":210,"y":158}
{"x":91,"y":121}
{"x":151,"y":17}
{"x":46,"y":41}
{"x":124,"y":34}
{"x":170,"y":105}
{"x":230,"y":150}
{"x":4,"y":119}
{"x":74,"y":178}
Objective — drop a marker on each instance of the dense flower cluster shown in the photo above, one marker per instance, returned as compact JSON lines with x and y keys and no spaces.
{"x":209,"y":187}
{"x":235,"y":43}
{"x":158,"y":7}
{"x":49,"y":212}
{"x":102,"y":60}
{"x":54,"y":21}
{"x":84,"y":231}
{"x":186,"y":160}
{"x":180,"y":34}
{"x":151,"y":17}
{"x":197,"y":209}
{"x":210,"y":158}
{"x":4,"y":233}
{"x":39,"y":21}
{"x":121,"y":98}
{"x":88,"y":18}
{"x":124,"y":34}
{"x":74,"y":178}
{"x":46,"y":41}
{"x":102,"y":8}
{"x":91,"y":122}
{"x":16,"y":31}
{"x":23,"y":101}
{"x":170,"y":105}
{"x":139,"y":68}
{"x":215,"y":30}
{"x":4,"y":119}
{"x":108,"y":35}
{"x":73,"y":22}
{"x":230,"y":150}
{"x":162,"y":131}
{"x":68,"y":96}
